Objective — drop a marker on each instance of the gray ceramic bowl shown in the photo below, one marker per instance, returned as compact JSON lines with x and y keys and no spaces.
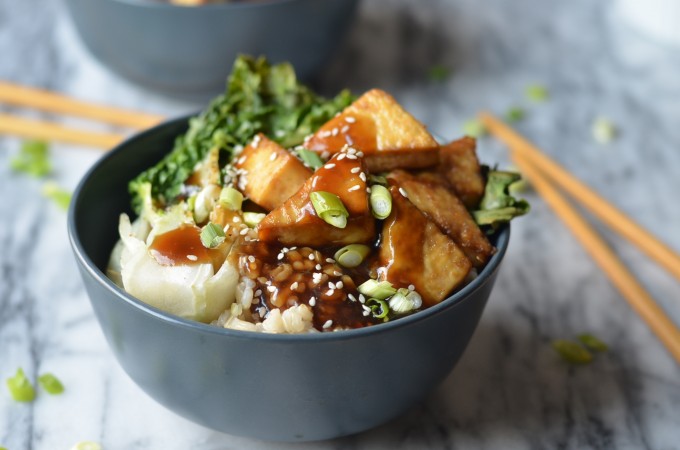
{"x":275,"y":387}
{"x":191,"y":49}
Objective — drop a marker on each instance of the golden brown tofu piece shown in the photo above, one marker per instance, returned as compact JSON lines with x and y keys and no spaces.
{"x":413,"y":250}
{"x":459,"y":164}
{"x":378,"y":126}
{"x":268,"y":173}
{"x":296,"y":222}
{"x":448,"y":212}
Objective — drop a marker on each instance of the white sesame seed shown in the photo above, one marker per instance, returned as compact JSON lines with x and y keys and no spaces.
{"x":368,"y":189}
{"x":236,"y":219}
{"x":226,"y":228}
{"x":344,"y":129}
{"x":411,"y":287}
{"x":360,"y":154}
{"x":329,"y":166}
{"x":328,"y":323}
{"x":356,"y":187}
{"x":294,"y":286}
{"x":366,"y":308}
{"x":342,"y":156}
{"x":339,"y":285}
{"x":241,"y":160}
{"x":351,"y":297}
{"x":284,"y":250}
{"x":325,"y":134}
{"x":351,"y":156}
{"x":355,"y":169}
{"x":362,"y":176}
{"x":279,"y":133}
{"x":403,"y":192}
{"x":318,"y":267}
{"x":279,"y":256}
{"x":244,"y":232}
{"x":334,"y":132}
{"x":325,"y":155}
{"x":366,"y":313}
{"x":293,"y":248}
{"x":362,"y":299}
{"x":337,"y":274}
{"x":331,"y":285}
{"x":330,"y":260}
{"x":312,"y":301}
{"x":271,"y":288}
{"x":192,"y":257}
{"x":261,"y":311}
{"x":350,"y":119}
{"x":312,"y":257}
{"x":330,"y":292}
{"x":251,"y":258}
{"x":256,"y":141}
{"x":273,"y":156}
{"x":258,"y":292}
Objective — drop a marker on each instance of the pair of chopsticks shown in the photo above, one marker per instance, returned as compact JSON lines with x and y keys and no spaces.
{"x":59,"y":104}
{"x":542,"y":172}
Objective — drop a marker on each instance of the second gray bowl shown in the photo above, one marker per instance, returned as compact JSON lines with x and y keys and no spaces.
{"x":191,"y":49}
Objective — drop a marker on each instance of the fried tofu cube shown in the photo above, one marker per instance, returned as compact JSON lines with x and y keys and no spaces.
{"x":459,"y":164}
{"x":438,"y":203}
{"x":377,"y":125}
{"x":296,"y":222}
{"x":413,"y":250}
{"x":269,"y":174}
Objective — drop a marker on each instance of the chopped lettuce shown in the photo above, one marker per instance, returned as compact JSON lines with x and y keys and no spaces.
{"x":32,"y":159}
{"x":498,"y":206}
{"x":259,"y":98}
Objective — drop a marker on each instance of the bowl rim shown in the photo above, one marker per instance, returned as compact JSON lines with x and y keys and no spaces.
{"x":239,"y":5}
{"x":84,"y":260}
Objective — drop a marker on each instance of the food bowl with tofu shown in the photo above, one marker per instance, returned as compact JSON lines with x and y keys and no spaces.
{"x":281,"y":283}
{"x":185,"y":51}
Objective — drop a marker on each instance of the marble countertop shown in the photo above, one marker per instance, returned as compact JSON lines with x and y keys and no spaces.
{"x":510,"y":390}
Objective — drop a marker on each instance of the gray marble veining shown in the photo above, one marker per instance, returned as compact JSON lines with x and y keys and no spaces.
{"x":509,"y":390}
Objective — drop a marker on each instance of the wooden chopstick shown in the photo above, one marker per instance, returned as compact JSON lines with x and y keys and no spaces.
{"x":35,"y":129}
{"x":636,"y":295}
{"x":61,"y":104}
{"x":611,"y":216}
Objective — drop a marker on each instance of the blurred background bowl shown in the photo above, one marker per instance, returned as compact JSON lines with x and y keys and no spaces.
{"x":191,"y":49}
{"x":267,"y":386}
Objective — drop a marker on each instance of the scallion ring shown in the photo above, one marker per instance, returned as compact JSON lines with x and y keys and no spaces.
{"x":381,"y":201}
{"x":212,"y":235}
{"x":252,"y":218}
{"x":405,"y":300}
{"x":352,"y":255}
{"x":329,"y":208}
{"x":309,"y":158}
{"x":377,"y":289}
{"x":231,"y":198}
{"x":379,"y":308}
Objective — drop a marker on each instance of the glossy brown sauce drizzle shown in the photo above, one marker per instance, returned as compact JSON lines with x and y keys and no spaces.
{"x":355,"y":130}
{"x":180,"y":246}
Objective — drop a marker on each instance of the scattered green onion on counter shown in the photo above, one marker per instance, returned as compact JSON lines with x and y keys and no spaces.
{"x":57,"y":194}
{"x":51,"y":384}
{"x":352,"y":255}
{"x":603,"y":130}
{"x":21,"y":389}
{"x":474,"y":128}
{"x":572,"y":352}
{"x":537,"y":93}
{"x":381,"y":201}
{"x":593,"y":343}
{"x":33,"y":159}
{"x":514,"y":114}
{"x":329,"y":208}
{"x":212,"y":235}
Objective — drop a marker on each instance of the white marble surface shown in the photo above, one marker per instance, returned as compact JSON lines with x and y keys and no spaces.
{"x":510,"y":390}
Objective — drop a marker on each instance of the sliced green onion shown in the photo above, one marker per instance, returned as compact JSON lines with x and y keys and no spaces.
{"x":572,"y":352}
{"x":377,"y":179}
{"x":381,"y":201}
{"x":379,"y":308}
{"x":474,"y":128}
{"x":252,"y":218}
{"x":231,"y":198}
{"x":593,"y":343}
{"x":537,"y":92}
{"x":438,"y":73}
{"x":310,"y":158}
{"x":58,"y":195}
{"x":33,"y":159}
{"x":405,"y":300}
{"x":20,"y":388}
{"x":51,"y":384}
{"x":86,"y":445}
{"x":352,"y":255}
{"x":514,"y":114}
{"x":329,"y":208}
{"x":377,"y":289}
{"x":212,"y":235}
{"x":603,"y":130}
